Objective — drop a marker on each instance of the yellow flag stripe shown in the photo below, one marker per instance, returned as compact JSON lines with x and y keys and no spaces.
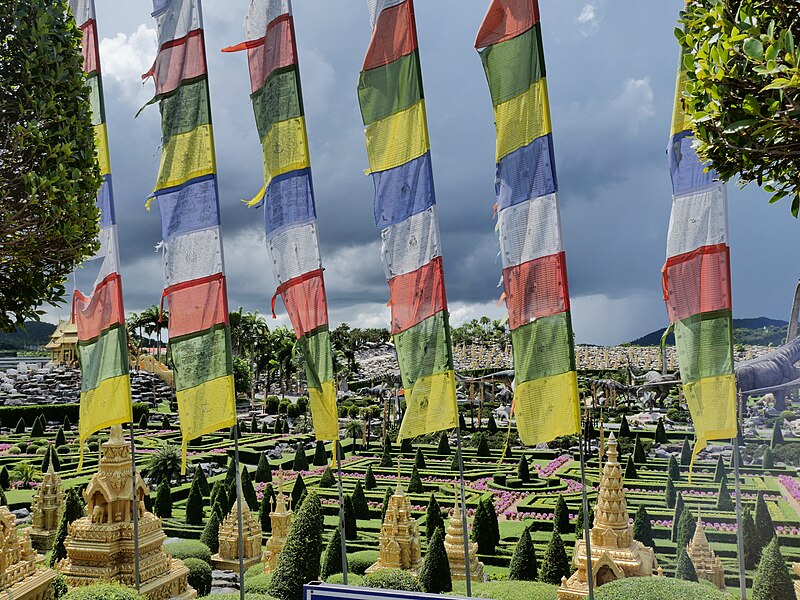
{"x":187,"y":156}
{"x":522,"y":119}
{"x":101,"y":147}
{"x":205,"y":409}
{"x":323,"y":411}
{"x":547,"y":408}
{"x":430,"y":405}
{"x":106,"y":405}
{"x":285,"y":148}
{"x":712,"y":403}
{"x":680,"y":119}
{"x":398,"y":139}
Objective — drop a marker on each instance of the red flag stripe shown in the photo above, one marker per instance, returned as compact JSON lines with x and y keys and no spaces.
{"x":91,"y":54}
{"x":537,"y":288}
{"x":417,"y":296}
{"x":103,"y":308}
{"x":393,"y":37}
{"x":197,"y":305}
{"x":177,"y":61}
{"x":506,"y":19}
{"x":697,"y":282}
{"x":304,"y":298}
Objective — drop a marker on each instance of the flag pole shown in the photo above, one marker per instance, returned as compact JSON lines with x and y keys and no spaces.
{"x":239,"y":507}
{"x":464,"y":524}
{"x":136,"y":574}
{"x":586,"y":528}
{"x":739,"y":532}
{"x":337,"y":459}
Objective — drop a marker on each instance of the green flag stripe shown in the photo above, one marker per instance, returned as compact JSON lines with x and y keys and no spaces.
{"x":278,"y":100}
{"x":95,"y":85}
{"x":543,"y":348}
{"x":201,"y":357}
{"x":186,"y":109}
{"x":103,"y":357}
{"x":705,"y":345}
{"x":512,"y":66}
{"x":389,"y":89}
{"x":316,"y":350}
{"x":424,"y":349}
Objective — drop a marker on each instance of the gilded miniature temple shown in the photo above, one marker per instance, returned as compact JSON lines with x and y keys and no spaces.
{"x":707,"y":564}
{"x":46,"y":508}
{"x":399,"y":542}
{"x":227,"y":558}
{"x":454,"y":546}
{"x":615,"y":554}
{"x":20,"y":577}
{"x":280,"y":518}
{"x":100,"y":547}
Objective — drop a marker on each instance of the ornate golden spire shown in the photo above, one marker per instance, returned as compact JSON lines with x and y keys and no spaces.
{"x":612,"y":509}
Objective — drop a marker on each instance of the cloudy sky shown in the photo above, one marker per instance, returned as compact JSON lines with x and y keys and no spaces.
{"x":611,"y":72}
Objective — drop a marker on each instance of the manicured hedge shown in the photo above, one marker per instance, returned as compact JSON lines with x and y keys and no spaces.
{"x":509,"y":590}
{"x":199,"y":575}
{"x":56,"y":412}
{"x":103,"y":591}
{"x":358,"y":562}
{"x":658,"y":588}
{"x":189,"y":549}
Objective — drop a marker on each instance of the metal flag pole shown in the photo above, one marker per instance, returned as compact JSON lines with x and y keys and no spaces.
{"x":239,"y":508}
{"x":135,"y":507}
{"x":337,"y":459}
{"x":464,"y":525}
{"x":586,"y":528}
{"x":739,"y":532}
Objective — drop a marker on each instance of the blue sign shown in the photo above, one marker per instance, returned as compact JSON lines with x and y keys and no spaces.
{"x":327,"y":591}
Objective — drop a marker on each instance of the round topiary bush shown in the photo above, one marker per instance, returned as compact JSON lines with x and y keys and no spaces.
{"x":657,"y":588}
{"x":392,"y":579}
{"x":199,"y":575}
{"x":293,"y":411}
{"x":258,"y":584}
{"x":64,"y":449}
{"x":41,"y":451}
{"x":189,"y":549}
{"x":359,"y":562}
{"x":103,"y":591}
{"x":14,"y":450}
{"x":352,"y":579}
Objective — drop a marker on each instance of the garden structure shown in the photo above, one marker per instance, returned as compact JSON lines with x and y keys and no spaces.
{"x":20,"y":577}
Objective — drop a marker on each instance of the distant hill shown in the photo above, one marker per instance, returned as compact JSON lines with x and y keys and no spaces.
{"x":760,"y":331}
{"x":33,"y":334}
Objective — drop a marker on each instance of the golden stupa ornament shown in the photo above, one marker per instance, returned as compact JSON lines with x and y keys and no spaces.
{"x":20,"y":577}
{"x":48,"y":502}
{"x":706,"y":563}
{"x":454,"y":546}
{"x":280,"y":518}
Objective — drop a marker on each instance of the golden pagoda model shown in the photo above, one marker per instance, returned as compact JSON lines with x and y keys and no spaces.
{"x":20,"y":579}
{"x":399,"y":543}
{"x":454,"y":546}
{"x":615,"y":554}
{"x":707,"y":564}
{"x":227,"y":558}
{"x":280,"y":518}
{"x":100,"y":547}
{"x":46,"y":507}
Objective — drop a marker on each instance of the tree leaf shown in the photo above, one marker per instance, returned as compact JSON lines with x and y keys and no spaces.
{"x":754,"y":49}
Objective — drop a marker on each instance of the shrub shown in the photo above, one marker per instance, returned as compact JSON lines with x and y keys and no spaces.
{"x":298,"y":491}
{"x":686,"y":454}
{"x":359,"y":562}
{"x":144,"y":422}
{"x":63,"y":449}
{"x":386,"y":496}
{"x":393,"y":579}
{"x":419,"y":459}
{"x":406,"y":447}
{"x":482,"y":446}
{"x":5,"y":482}
{"x":210,"y":535}
{"x":686,"y":527}
{"x":763,"y":521}
{"x":676,"y":516}
{"x":320,"y":454}
{"x":554,"y":564}
{"x":434,"y":576}
{"x":386,"y":458}
{"x":523,"y":564}
{"x":327,"y":480}
{"x":579,"y":528}
{"x":300,"y":459}
{"x":163,"y":505}
{"x":772,"y":581}
{"x":61,"y":439}
{"x":642,"y":528}
{"x":299,"y":562}
{"x":283,"y":407}
{"x":444,"y":444}
{"x":673,"y":469}
{"x":199,"y":575}
{"x":777,"y":434}
{"x":433,"y":518}
{"x":523,"y":472}
{"x":248,"y":491}
{"x":263,"y":470}
{"x":302,"y":403}
{"x":768,"y":461}
{"x":669,"y":493}
{"x":369,"y":479}
{"x":103,"y":591}
{"x":352,"y":579}
{"x":639,"y":454}
{"x":189,"y":549}
{"x":350,"y":523}
{"x":630,"y":469}
{"x":332,"y":562}
{"x":20,"y":426}
{"x":273,"y":403}
{"x":482,"y":530}
{"x":258,"y":584}
{"x":267,"y":500}
{"x":200,"y":477}
{"x":724,"y":502}
{"x":73,"y":509}
{"x":750,"y":536}
{"x":194,"y":504}
{"x":561,"y":516}
{"x":657,"y":588}
{"x":415,"y":483}
{"x":360,"y":504}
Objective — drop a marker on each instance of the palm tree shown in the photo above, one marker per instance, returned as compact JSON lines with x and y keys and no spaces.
{"x":25,"y":472}
{"x":165,"y":464}
{"x":354,"y":430}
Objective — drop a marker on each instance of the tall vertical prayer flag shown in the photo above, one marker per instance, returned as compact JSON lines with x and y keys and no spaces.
{"x":288,"y":197}
{"x":546,"y":400}
{"x":393,"y":110}
{"x":697,"y":282}
{"x":186,"y":190}
{"x":100,"y":317}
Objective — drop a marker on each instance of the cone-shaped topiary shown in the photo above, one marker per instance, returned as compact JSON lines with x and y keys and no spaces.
{"x":661,"y":432}
{"x":444,"y":444}
{"x":686,"y":454}
{"x":265,"y":427}
{"x":777,"y":434}
{"x":386,"y":458}
{"x":163,"y":505}
{"x":360,"y":504}
{"x":333,"y":555}
{"x":385,"y":505}
{"x":752,"y":551}
{"x":415,"y":483}
{"x":561,"y":516}
{"x":320,"y":457}
{"x":3,"y":499}
{"x":298,"y":489}
{"x":673,"y":468}
{"x":719,"y":470}
{"x":300,"y":459}
{"x":483,"y":446}
{"x":230,"y":494}
{"x":624,"y":428}
{"x":419,"y":459}
{"x":488,"y":501}
{"x":328,"y":480}
{"x":406,"y":447}
{"x":278,"y":426}
{"x":554,"y":564}
{"x":194,"y":504}
{"x":210,"y":535}
{"x":639,"y":455}
{"x":5,"y":480}
{"x":46,"y":459}
{"x":254,"y":424}
{"x":38,"y":427}
{"x":200,"y":476}
{"x":462,"y":422}
{"x":642,"y":528}
{"x":685,"y":567}
{"x":491,"y":425}
{"x":68,"y":424}
{"x":686,"y":527}
{"x":263,"y":470}
{"x":20,"y":426}
{"x":350,"y":523}
{"x":144,"y":421}
{"x":522,"y":469}
{"x":669,"y":493}
{"x":434,"y":576}
{"x":724,"y":501}
{"x":61,"y":439}
{"x":454,"y":463}
{"x":73,"y":509}
{"x":433,"y":517}
{"x":579,"y":530}
{"x":764,"y":525}
{"x":285,"y":429}
{"x":230,"y":474}
{"x":248,"y":491}
{"x":299,"y":562}
{"x":523,"y":564}
{"x":165,"y":424}
{"x":676,"y":516}
{"x":267,"y":502}
{"x":369,"y":479}
{"x":216,"y":491}
{"x":482,"y":533}
{"x":772,"y":581}
{"x":630,"y":469}
{"x":768,"y":461}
